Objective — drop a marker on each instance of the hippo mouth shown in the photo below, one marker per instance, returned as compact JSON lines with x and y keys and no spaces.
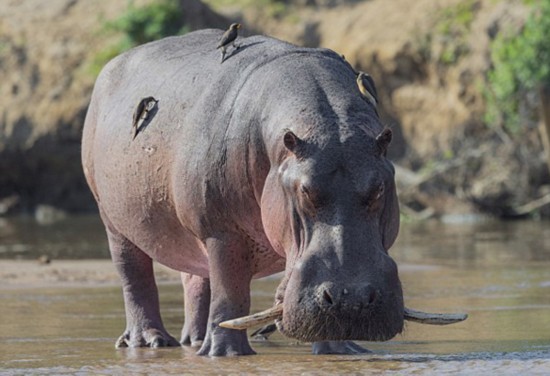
{"x":276,"y":313}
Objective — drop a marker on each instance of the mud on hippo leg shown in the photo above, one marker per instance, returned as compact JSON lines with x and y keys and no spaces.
{"x":230,"y":276}
{"x":144,"y":326}
{"x":197,"y":303}
{"x":338,"y":347}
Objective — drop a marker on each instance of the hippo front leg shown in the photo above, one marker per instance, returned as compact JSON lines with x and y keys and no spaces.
{"x":197,"y":303}
{"x":144,"y":325}
{"x":230,"y":276}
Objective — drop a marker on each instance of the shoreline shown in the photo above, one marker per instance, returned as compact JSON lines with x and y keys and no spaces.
{"x":28,"y":274}
{"x":32,"y":274}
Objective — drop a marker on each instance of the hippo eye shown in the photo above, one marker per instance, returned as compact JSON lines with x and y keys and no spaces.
{"x":306,"y":192}
{"x":379,"y":192}
{"x":312,"y":196}
{"x":373,"y":196}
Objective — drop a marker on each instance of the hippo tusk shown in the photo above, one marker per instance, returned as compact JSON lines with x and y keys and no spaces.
{"x":434,"y":318}
{"x":259,"y":318}
{"x":276,"y":312}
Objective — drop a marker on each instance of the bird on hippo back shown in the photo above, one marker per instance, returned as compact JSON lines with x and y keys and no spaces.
{"x":228,"y":38}
{"x":270,"y":161}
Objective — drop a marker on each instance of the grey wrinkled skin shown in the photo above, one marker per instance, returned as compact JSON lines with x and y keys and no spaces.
{"x":264,"y":163}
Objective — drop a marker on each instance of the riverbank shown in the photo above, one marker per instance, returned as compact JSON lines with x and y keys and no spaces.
{"x":430,"y":86}
{"x":21,"y":274}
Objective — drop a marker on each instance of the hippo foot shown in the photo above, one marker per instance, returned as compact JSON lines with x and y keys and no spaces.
{"x":148,"y":338}
{"x":188,"y":340}
{"x":338,"y":347}
{"x":226,"y":344}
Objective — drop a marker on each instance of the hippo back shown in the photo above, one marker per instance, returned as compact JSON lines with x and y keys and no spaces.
{"x":199,"y":166}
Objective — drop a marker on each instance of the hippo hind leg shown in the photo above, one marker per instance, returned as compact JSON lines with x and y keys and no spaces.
{"x":197,"y":305}
{"x":144,"y":327}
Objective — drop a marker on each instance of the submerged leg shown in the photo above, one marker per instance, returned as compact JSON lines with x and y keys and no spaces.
{"x":230,"y":276}
{"x":264,"y":332}
{"x":143,"y":322}
{"x":321,"y":347}
{"x":197,"y":303}
{"x":338,"y":347}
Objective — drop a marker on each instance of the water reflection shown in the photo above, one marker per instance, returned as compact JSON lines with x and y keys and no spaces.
{"x":463,"y":244}
{"x":470,"y":244}
{"x":76,"y":237}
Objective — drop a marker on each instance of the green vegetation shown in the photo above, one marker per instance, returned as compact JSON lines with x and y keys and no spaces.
{"x":447,"y":39}
{"x":139,"y":25}
{"x":272,"y":8}
{"x":521,"y":64}
{"x":148,"y":23}
{"x":452,"y":27}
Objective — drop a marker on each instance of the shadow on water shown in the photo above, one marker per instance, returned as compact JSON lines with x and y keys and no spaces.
{"x":497,"y":272}
{"x":76,"y":237}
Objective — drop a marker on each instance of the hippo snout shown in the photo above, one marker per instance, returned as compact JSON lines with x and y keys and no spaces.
{"x":344,"y":303}
{"x":355,"y":312}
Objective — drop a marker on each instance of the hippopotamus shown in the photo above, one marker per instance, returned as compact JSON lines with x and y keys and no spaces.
{"x":269,"y":161}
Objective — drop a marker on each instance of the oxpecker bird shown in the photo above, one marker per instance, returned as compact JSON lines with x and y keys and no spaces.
{"x":229,"y":38}
{"x":365,"y":83}
{"x":142,"y":112}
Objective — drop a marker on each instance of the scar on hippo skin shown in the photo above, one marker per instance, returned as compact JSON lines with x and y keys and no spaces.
{"x":365,"y":83}
{"x":229,"y":38}
{"x":145,"y":107}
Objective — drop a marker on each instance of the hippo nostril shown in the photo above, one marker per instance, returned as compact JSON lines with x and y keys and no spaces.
{"x":327,"y":297}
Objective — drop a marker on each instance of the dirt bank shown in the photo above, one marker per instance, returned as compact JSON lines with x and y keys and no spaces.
{"x":16,"y":274}
{"x":430,"y":82}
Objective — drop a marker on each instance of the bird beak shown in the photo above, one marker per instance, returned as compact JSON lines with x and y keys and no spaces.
{"x":238,"y":26}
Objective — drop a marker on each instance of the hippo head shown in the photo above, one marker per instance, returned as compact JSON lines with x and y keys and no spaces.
{"x":340,"y":216}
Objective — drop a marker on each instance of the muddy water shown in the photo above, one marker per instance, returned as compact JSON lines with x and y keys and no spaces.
{"x":497,"y":272}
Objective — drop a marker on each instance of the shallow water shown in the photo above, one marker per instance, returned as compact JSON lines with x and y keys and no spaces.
{"x":497,"y":272}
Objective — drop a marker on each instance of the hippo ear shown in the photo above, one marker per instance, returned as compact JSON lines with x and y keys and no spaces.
{"x":383,"y":140}
{"x":292,"y":142}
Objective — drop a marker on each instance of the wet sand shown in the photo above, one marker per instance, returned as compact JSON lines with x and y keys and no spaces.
{"x":24,"y":274}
